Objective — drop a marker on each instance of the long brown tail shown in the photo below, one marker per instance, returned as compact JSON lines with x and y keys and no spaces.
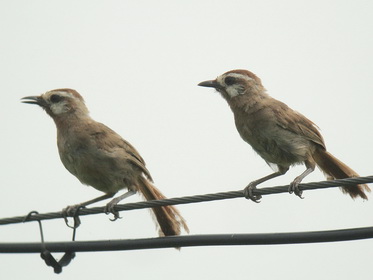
{"x":335,"y":169}
{"x":168,"y":217}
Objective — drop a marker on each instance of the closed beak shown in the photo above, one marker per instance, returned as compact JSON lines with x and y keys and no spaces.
{"x":211,"y":83}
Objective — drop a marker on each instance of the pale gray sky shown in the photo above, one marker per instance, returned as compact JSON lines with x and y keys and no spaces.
{"x":137,"y":64}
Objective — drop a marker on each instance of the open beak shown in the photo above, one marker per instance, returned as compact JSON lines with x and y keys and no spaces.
{"x":211,"y":83}
{"x":33,"y":100}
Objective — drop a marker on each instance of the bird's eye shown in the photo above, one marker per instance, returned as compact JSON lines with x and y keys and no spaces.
{"x":55,"y":98}
{"x":229,"y":81}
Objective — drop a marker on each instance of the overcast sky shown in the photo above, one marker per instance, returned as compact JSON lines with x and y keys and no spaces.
{"x":137,"y":64}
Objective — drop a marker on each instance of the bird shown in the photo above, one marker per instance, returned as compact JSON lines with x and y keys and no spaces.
{"x":282,"y":136}
{"x":99,"y":157}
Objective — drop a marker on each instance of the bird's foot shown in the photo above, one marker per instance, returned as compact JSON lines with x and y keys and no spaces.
{"x":248,"y":192}
{"x":109,"y":209}
{"x":294,"y":187}
{"x":72,"y":211}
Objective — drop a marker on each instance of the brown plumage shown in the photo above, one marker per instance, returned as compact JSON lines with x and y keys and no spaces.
{"x":280,"y":135}
{"x":101,"y":158}
{"x":168,"y":218}
{"x":335,"y":169}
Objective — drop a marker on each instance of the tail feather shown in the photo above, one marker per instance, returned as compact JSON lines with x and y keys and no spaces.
{"x":168,"y":217}
{"x":335,"y":169}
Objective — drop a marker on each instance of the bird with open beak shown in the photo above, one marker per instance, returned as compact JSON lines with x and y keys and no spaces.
{"x":100,"y":158}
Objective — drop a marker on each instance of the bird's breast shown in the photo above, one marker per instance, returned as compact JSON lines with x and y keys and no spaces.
{"x":272,"y":142}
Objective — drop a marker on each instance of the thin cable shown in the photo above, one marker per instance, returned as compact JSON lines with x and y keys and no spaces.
{"x":194,"y":199}
{"x":195,"y":240}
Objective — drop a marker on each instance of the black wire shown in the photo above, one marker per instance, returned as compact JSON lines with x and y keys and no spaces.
{"x":194,"y":240}
{"x":193,"y":199}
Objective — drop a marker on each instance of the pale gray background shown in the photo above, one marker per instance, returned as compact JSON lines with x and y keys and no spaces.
{"x":138,"y":63}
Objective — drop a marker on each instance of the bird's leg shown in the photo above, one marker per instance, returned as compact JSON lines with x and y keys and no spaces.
{"x":109,"y":208}
{"x":294,"y":186}
{"x":248,"y":191}
{"x":73,"y":210}
{"x":70,"y":211}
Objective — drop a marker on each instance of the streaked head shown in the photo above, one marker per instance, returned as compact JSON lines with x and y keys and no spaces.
{"x":59,"y":102}
{"x":235,"y":83}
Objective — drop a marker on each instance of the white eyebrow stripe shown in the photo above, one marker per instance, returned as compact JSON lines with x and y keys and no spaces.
{"x":240,"y":76}
{"x":62,"y":93}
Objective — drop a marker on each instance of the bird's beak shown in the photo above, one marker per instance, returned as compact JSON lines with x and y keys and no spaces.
{"x":34,"y":100}
{"x":211,"y":83}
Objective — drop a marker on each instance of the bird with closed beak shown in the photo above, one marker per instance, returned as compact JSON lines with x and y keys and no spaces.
{"x":100,"y":158}
{"x":280,"y":135}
